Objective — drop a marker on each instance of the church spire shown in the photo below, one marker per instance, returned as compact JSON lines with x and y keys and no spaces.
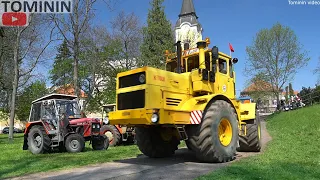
{"x":187,"y":9}
{"x":188,"y":30}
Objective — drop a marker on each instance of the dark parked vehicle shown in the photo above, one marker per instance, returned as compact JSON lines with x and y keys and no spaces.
{"x":15,"y":130}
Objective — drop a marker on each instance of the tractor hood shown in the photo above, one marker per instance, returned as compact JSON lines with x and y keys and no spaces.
{"x":84,"y":121}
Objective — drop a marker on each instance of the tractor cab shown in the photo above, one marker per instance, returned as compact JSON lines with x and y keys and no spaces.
{"x":211,"y":71}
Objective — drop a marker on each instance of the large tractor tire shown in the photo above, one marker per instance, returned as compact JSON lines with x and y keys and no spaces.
{"x":157,"y":142}
{"x":75,"y":143}
{"x":100,"y":144}
{"x":218,"y":133}
{"x":112,"y":133}
{"x":38,"y":140}
{"x":252,"y":141}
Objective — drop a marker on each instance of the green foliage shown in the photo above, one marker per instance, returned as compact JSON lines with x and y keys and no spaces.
{"x":293,"y":152}
{"x":310,"y":95}
{"x":157,"y":37}
{"x":291,"y":91}
{"x":277,"y":53}
{"x":62,"y":71}
{"x":34,"y":91}
{"x":287,"y":94}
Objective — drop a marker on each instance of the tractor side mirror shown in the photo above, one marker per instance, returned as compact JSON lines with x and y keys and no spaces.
{"x":234,"y":60}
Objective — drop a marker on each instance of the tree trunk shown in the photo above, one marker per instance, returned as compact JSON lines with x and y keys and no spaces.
{"x":14,"y":84}
{"x":76,"y":50}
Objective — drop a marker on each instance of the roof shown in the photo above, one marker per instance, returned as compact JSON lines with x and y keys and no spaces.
{"x":294,"y":92}
{"x":188,"y":14}
{"x":261,"y":86}
{"x":69,"y":89}
{"x":187,"y":8}
{"x":55,"y":96}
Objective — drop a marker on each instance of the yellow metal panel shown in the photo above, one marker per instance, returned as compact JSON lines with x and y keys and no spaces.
{"x":248,"y":111}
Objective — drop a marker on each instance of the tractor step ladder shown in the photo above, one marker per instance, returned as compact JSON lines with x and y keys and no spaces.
{"x":54,"y":142}
{"x":182,"y":132}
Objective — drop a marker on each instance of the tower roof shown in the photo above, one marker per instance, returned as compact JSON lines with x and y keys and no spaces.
{"x":188,"y":14}
{"x":187,"y":8}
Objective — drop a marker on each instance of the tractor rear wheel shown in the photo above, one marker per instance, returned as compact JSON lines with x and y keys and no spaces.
{"x":38,"y":140}
{"x":112,"y":133}
{"x":252,"y":141}
{"x":157,"y":142}
{"x":75,"y":143}
{"x":218,"y":133}
{"x":100,"y":144}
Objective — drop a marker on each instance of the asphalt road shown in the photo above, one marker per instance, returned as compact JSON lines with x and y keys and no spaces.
{"x":183,"y":165}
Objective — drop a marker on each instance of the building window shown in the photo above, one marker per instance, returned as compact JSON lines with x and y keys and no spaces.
{"x":186,"y":46}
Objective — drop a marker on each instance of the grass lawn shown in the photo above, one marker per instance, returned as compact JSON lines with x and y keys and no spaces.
{"x":15,"y":162}
{"x":293,"y":153}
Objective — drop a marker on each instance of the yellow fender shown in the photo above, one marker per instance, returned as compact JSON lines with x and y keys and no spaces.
{"x":197,"y":105}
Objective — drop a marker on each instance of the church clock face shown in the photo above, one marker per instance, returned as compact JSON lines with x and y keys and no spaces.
{"x":185,"y":27}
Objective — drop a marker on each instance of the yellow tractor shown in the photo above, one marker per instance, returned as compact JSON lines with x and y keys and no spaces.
{"x":192,"y":100}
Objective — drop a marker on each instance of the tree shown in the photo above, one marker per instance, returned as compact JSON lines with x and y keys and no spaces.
{"x":277,"y":53}
{"x":291,"y":91}
{"x":157,"y":37}
{"x":33,"y":91}
{"x":72,"y":27}
{"x":28,"y":47}
{"x":104,"y":54}
{"x":317,"y":71}
{"x":287,"y":94}
{"x":61,"y":73}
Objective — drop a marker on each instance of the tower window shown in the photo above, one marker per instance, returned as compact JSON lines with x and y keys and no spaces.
{"x":186,"y":46}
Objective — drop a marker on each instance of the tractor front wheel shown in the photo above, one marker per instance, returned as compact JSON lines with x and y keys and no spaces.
{"x":252,"y":141}
{"x":157,"y":142}
{"x":38,"y":140}
{"x":74,"y":143}
{"x":112,"y":133}
{"x":101,"y":143}
{"x":218,"y":133}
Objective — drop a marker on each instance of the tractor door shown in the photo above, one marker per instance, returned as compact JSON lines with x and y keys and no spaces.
{"x":223,"y":76}
{"x":231,"y":82}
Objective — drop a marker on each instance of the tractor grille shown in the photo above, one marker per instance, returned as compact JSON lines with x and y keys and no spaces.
{"x":131,"y":100}
{"x":95,"y":128}
{"x":173,"y":102}
{"x":131,"y":80}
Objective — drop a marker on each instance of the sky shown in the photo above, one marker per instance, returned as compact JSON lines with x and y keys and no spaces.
{"x":237,"y":22}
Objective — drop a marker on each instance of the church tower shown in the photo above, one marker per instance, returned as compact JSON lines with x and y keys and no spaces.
{"x":188,"y":30}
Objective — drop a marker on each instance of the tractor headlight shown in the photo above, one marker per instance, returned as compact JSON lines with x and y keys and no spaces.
{"x":93,"y":126}
{"x":142,"y":78}
{"x":155,"y":118}
{"x":98,"y":125}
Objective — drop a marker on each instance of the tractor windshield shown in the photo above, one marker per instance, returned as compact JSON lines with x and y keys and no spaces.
{"x":71,"y":107}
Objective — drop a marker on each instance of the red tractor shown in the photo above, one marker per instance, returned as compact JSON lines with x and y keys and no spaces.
{"x":55,"y":122}
{"x":116,"y":134}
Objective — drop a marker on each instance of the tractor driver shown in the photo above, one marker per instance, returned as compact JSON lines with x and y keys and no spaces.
{"x":222,"y":67}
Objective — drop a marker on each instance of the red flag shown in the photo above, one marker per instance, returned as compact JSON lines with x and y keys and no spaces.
{"x":231,"y":48}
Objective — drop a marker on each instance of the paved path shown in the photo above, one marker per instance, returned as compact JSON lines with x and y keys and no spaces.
{"x":181,"y":166}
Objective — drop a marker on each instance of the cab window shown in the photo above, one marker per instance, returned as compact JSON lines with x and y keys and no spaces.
{"x":222,"y":66}
{"x":35,"y":112}
{"x":193,"y":63}
{"x":171,"y":66}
